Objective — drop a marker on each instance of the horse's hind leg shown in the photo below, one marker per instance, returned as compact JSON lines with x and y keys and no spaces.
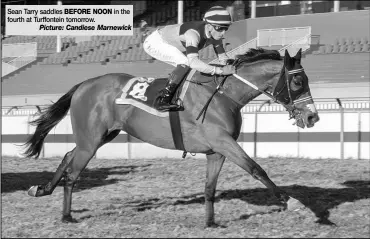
{"x":82,"y":157}
{"x":83,"y":154}
{"x":43,"y":190}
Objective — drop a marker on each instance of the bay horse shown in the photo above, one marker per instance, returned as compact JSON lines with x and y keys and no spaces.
{"x":96,"y":120}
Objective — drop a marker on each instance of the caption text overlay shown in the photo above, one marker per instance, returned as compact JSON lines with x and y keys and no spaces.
{"x":78,"y":20}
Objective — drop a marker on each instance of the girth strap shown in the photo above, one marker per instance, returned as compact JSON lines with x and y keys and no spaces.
{"x":176,"y":131}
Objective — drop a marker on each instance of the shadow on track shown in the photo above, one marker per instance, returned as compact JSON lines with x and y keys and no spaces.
{"x":89,"y":178}
{"x":319,"y":200}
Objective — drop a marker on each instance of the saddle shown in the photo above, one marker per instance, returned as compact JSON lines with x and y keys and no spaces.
{"x":141,"y":92}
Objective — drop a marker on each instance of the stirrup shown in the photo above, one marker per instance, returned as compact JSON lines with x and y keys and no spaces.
{"x":178,"y":105}
{"x":170,"y":107}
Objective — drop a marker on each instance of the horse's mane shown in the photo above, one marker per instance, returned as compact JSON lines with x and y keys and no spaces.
{"x":253,"y":55}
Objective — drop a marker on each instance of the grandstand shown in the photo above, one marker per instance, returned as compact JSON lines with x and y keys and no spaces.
{"x":337,"y":60}
{"x":332,"y":55}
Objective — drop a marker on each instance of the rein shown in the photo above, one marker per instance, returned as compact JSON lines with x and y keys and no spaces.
{"x":290,"y":107}
{"x":204,"y":109}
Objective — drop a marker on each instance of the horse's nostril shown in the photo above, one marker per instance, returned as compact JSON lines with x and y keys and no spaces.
{"x":312,"y":118}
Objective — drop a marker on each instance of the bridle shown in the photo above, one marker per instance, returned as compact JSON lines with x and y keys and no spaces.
{"x":285,"y":73}
{"x":291,"y":105}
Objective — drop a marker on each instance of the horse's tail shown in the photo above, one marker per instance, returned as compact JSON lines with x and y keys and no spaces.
{"x":49,"y":117}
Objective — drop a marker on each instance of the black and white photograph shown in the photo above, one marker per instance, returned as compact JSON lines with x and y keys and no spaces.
{"x":185,"y":119}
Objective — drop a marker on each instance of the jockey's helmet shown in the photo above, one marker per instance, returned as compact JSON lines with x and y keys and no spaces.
{"x":217,"y":16}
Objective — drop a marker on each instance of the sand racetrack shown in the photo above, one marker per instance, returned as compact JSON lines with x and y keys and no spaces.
{"x":164,"y":198}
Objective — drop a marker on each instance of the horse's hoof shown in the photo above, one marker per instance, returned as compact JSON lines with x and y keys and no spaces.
{"x":68,"y":219}
{"x":214,"y":225}
{"x":295,"y":205}
{"x":33,"y":191}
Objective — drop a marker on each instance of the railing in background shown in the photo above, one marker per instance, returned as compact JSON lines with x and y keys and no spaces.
{"x":326,"y":104}
{"x":281,"y":36}
{"x":350,"y":105}
{"x":243,"y":48}
{"x":256,"y":124}
{"x":322,"y":104}
{"x":302,"y":43}
{"x":258,"y":109}
{"x":341,"y":128}
{"x":239,"y":50}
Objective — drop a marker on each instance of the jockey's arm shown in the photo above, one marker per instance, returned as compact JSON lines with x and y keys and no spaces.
{"x":197,"y":64}
{"x":192,"y":41}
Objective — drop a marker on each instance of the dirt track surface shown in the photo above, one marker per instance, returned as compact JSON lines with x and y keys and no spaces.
{"x":164,"y":198}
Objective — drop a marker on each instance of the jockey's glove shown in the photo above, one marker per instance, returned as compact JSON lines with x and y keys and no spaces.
{"x":228,"y":70}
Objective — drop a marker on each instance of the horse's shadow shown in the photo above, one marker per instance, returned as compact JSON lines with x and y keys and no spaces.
{"x":318,"y":200}
{"x":89,"y":178}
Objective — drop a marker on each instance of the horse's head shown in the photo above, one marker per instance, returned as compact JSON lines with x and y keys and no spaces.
{"x":283,"y":81}
{"x":293,"y":92}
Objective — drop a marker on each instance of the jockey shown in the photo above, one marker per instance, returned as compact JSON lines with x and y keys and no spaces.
{"x":179,"y":44}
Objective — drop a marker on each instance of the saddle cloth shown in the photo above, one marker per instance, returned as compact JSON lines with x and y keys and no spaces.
{"x":141,"y":92}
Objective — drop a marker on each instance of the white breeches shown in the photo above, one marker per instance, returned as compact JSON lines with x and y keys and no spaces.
{"x":156,"y":47}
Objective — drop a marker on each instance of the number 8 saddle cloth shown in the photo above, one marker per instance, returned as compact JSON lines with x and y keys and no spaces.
{"x":141,"y":92}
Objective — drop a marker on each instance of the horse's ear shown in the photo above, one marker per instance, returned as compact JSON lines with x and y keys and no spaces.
{"x":287,"y":58}
{"x":298,"y":56}
{"x":287,"y":53}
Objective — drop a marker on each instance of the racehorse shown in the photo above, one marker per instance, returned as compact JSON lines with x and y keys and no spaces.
{"x":96,"y":120}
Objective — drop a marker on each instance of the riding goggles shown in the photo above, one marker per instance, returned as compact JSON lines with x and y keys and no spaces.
{"x":220,"y":28}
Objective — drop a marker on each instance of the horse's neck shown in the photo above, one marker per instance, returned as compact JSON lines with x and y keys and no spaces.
{"x":262,"y":74}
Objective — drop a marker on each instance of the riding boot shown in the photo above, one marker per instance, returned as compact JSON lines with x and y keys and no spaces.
{"x":163,"y":101}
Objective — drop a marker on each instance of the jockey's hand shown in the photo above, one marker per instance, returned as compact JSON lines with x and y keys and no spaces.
{"x":228,"y":70}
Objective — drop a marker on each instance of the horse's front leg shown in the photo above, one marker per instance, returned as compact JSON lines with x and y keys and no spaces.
{"x":228,"y":147}
{"x":214,"y":165}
